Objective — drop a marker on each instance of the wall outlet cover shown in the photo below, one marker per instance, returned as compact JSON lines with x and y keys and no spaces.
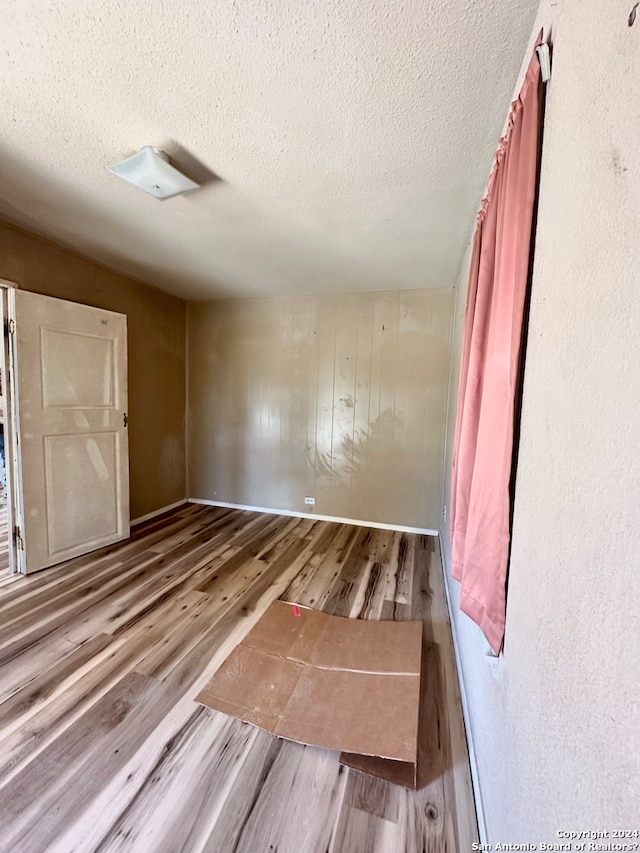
{"x":310,"y":501}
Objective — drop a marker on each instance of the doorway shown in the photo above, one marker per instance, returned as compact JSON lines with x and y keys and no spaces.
{"x":64,"y":490}
{"x":8,"y":557}
{"x":4,"y":528}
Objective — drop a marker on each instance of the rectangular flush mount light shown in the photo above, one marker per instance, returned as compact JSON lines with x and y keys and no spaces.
{"x":151,"y":170}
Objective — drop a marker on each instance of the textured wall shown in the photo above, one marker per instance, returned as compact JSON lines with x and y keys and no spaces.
{"x":340,"y":398}
{"x":156,"y":342}
{"x":557,"y":727}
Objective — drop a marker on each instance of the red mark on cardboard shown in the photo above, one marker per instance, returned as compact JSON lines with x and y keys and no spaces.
{"x":296,"y":610}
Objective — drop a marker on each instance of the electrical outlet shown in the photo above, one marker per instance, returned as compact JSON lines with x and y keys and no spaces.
{"x":444,"y":513}
{"x":310,"y":501}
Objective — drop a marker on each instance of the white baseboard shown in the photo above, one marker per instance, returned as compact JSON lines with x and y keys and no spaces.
{"x":473,"y":764}
{"x":358,"y":522}
{"x":153,"y":514}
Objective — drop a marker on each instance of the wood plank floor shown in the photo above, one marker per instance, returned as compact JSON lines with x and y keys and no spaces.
{"x":103,"y":748}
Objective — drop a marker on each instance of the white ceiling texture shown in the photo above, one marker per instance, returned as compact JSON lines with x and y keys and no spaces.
{"x":344,"y":145}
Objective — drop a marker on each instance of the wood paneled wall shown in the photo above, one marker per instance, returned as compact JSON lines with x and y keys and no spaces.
{"x":342,"y":398}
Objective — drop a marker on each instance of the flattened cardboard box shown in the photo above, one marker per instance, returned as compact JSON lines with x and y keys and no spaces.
{"x":344,"y":684}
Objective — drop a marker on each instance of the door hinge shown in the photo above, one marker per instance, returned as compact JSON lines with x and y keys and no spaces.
{"x":17,"y":536}
{"x":125,"y":419}
{"x":12,"y":327}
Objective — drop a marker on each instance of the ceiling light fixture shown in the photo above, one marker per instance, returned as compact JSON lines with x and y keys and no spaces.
{"x":151,"y":170}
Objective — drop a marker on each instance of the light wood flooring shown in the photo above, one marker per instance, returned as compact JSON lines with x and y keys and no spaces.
{"x":103,"y":748}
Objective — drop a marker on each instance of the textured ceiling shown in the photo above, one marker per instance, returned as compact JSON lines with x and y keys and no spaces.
{"x":351,"y":140}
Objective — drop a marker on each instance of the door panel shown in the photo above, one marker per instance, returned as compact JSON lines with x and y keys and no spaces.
{"x":71,"y":378}
{"x":77,"y":369}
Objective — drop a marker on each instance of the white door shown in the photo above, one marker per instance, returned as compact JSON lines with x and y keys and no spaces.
{"x":71,"y":381}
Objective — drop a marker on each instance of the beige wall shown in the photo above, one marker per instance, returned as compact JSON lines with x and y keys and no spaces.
{"x":340,"y":397}
{"x":156,"y":341}
{"x":557,"y":727}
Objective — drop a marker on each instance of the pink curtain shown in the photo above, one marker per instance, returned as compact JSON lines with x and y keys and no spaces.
{"x":484,"y":437}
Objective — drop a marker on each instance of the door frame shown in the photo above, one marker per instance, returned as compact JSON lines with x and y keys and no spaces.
{"x":9,"y":393}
